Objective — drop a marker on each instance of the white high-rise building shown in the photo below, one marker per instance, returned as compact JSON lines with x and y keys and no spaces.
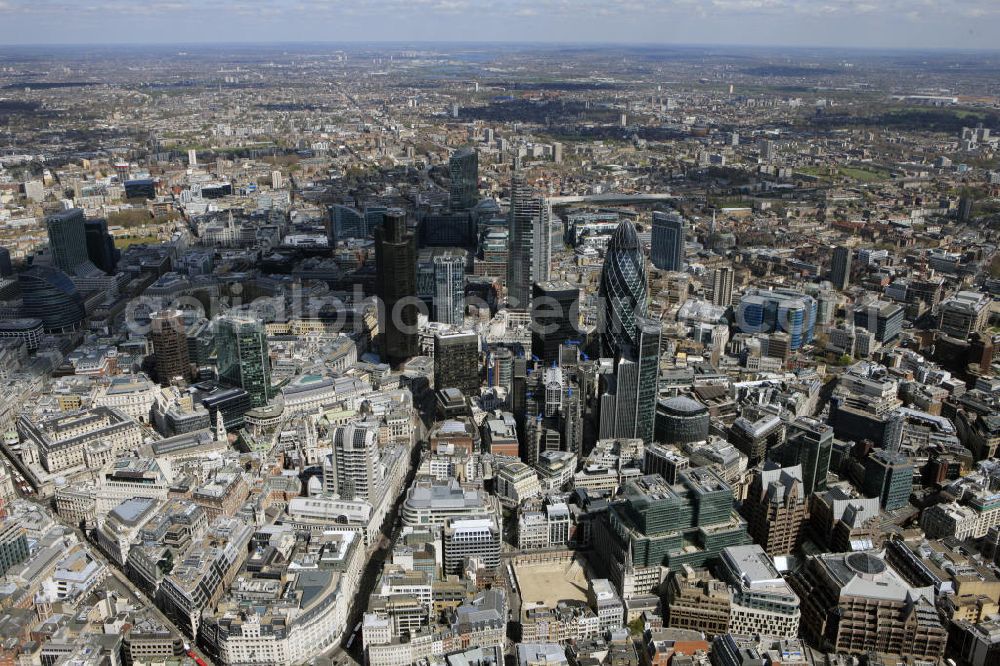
{"x":352,"y":470}
{"x":476,"y":537}
{"x":722,"y":286}
{"x":449,"y":288}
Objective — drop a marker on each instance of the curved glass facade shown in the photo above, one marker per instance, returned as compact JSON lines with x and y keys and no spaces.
{"x":763,"y":311}
{"x":680,"y":420}
{"x":622,"y":290}
{"x":48,"y":294}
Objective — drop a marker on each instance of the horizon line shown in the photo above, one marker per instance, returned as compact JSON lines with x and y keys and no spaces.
{"x":502,"y":42}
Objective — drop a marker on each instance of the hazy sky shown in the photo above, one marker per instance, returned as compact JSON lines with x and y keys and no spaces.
{"x":869,"y":23}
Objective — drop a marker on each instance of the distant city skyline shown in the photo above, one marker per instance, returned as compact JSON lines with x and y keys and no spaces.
{"x":915,"y":24}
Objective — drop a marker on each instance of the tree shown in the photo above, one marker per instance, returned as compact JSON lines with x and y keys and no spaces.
{"x":166,"y":563}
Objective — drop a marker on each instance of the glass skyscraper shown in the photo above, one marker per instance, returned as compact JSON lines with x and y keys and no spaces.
{"x":622,"y":291}
{"x":456,"y":362}
{"x":555,"y":318}
{"x":667,"y":250}
{"x":840,"y":267}
{"x":464,"y":168}
{"x":67,"y":239}
{"x":396,"y":283}
{"x":170,"y":346}
{"x":647,"y":353}
{"x":629,"y":408}
{"x":101,"y":245}
{"x":449,"y":288}
{"x":529,"y":248}
{"x":243,"y":358}
{"x":344,"y":222}
{"x":6,"y":268}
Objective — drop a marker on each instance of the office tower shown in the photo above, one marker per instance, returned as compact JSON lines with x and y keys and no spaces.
{"x":456,"y":362}
{"x":495,"y":254}
{"x":965,"y":205}
{"x":243,"y":358}
{"x":892,"y":435}
{"x":647,"y":354}
{"x":529,"y":252}
{"x":374,"y":217}
{"x":884,"y":319}
{"x":722,"y":286}
{"x":680,"y":420}
{"x":425,"y":278}
{"x":767,"y":150}
{"x":170,"y":346}
{"x":666,"y":525}
{"x":466,"y":538}
{"x":201,"y":342}
{"x":395,"y":285}
{"x":464,"y":169}
{"x":667,"y":248}
{"x":756,"y":437}
{"x":854,"y":603}
{"x":501,"y":371}
{"x":231,"y":403}
{"x":140,"y":188}
{"x":6,"y":267}
{"x":354,"y":471}
{"x":964,"y":313}
{"x":48,"y":294}
{"x":618,"y":402}
{"x":449,"y":288}
{"x":889,"y":477}
{"x":519,"y":393}
{"x":344,"y":222}
{"x":67,"y":240}
{"x":763,"y":602}
{"x":571,"y":420}
{"x":840,"y":522}
{"x":762,"y":311}
{"x":776,"y":508}
{"x":622,"y":291}
{"x":555,"y":318}
{"x":13,"y":545}
{"x":809,"y":445}
{"x":840,"y":267}
{"x":552,"y":386}
{"x":101,"y":245}
{"x":34,"y":190}
{"x":665,"y":461}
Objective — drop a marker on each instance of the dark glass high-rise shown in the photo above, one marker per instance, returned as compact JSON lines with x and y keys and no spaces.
{"x":396,"y":287}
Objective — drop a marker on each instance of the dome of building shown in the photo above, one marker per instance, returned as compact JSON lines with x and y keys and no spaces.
{"x":682,"y":405}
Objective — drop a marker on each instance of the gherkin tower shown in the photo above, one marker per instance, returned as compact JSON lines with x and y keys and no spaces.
{"x":622,"y":291}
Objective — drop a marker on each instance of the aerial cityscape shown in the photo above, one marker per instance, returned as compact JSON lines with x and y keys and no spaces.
{"x":467,"y":353}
